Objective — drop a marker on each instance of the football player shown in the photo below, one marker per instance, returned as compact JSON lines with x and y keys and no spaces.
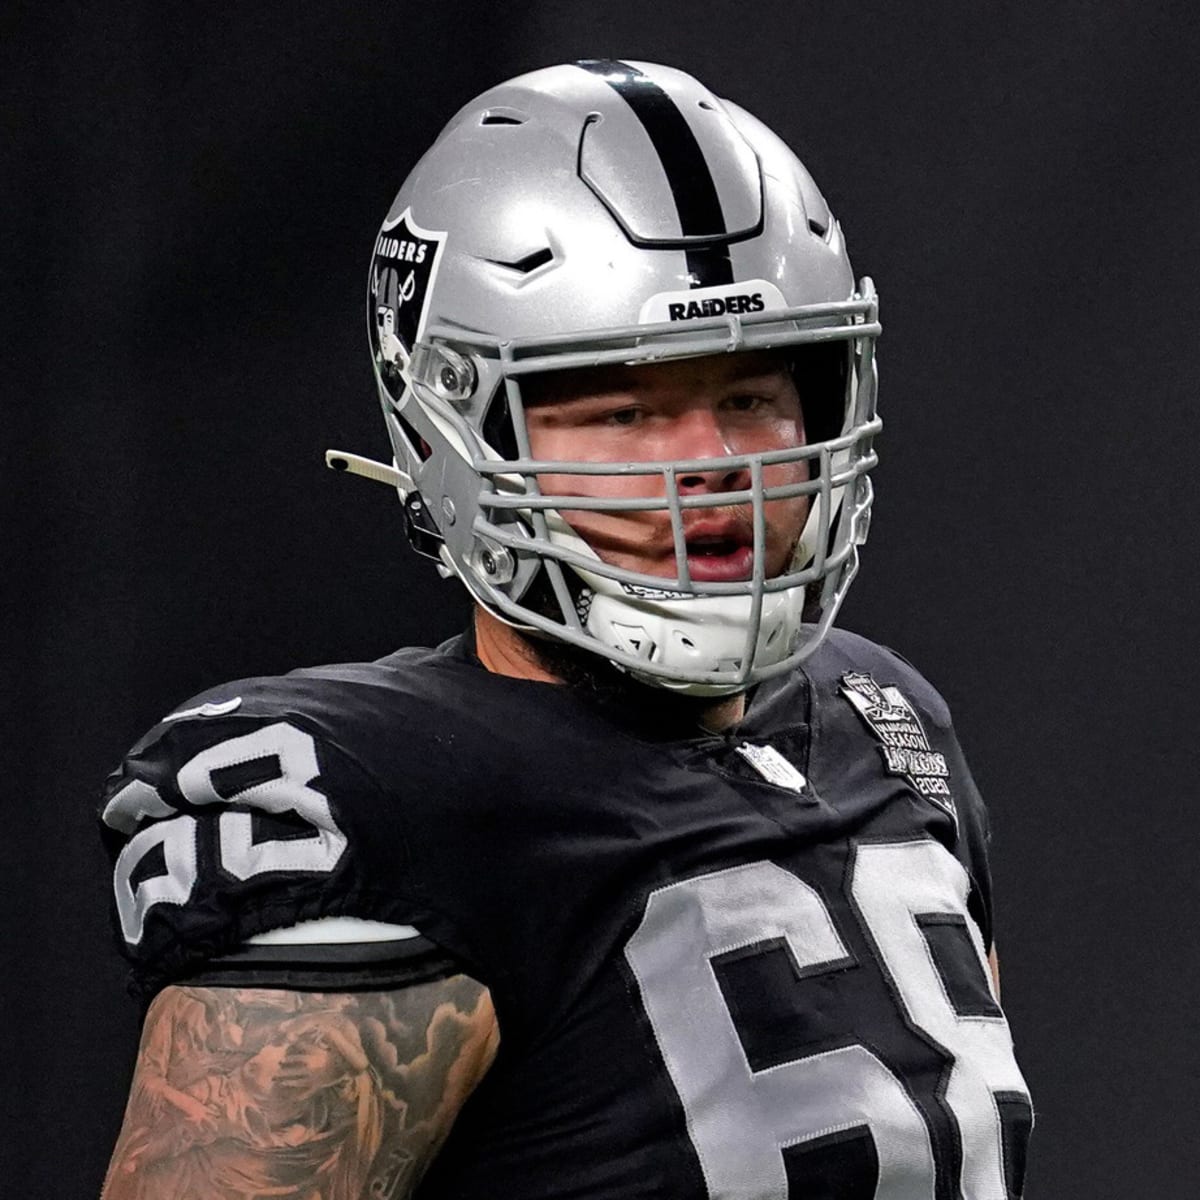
{"x":652,"y":884}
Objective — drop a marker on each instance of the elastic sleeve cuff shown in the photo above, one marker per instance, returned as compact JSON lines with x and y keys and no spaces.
{"x":329,"y":967}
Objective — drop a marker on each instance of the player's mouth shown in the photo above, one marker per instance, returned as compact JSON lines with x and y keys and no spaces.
{"x":720,"y":555}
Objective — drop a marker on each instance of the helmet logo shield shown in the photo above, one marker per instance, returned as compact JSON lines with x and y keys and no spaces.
{"x":403,"y":268}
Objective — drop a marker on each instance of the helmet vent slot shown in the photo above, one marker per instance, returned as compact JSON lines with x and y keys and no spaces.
{"x":820,"y":230}
{"x":502,"y":116}
{"x":531,"y":262}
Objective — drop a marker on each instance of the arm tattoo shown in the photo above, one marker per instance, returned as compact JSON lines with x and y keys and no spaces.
{"x":241,"y":1093}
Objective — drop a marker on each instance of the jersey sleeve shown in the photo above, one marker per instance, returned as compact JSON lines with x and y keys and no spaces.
{"x":971,"y":815}
{"x":227,"y":821}
{"x":974,"y":839}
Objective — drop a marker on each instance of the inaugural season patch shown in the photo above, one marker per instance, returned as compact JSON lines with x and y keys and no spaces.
{"x":403,"y":269}
{"x":905,"y":746}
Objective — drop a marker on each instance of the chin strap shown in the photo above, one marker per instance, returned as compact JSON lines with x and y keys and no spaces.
{"x":368,"y":468}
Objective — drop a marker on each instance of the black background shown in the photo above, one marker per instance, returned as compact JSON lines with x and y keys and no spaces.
{"x":187,"y":221}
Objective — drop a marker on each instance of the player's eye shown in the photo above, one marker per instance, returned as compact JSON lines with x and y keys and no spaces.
{"x":623,"y":416}
{"x":746,"y":403}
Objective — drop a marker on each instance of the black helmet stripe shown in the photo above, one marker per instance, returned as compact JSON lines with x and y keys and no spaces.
{"x":688,"y":176}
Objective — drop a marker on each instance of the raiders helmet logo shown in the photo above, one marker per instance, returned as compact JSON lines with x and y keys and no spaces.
{"x":403,"y":268}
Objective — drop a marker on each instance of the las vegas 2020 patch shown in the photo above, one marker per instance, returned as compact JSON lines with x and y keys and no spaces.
{"x":904,"y":743}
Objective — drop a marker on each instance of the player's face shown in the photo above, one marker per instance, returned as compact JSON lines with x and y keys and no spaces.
{"x":711,"y":407}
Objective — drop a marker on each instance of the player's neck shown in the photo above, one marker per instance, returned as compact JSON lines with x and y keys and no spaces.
{"x":724,"y":713}
{"x":504,"y":651}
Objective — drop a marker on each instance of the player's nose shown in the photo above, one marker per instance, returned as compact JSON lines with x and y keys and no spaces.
{"x":700,"y":433}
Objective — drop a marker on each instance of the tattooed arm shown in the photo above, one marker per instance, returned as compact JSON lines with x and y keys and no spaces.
{"x":242,"y":1092}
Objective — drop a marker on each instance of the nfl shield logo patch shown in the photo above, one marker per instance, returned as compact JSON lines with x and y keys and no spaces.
{"x":403,"y":269}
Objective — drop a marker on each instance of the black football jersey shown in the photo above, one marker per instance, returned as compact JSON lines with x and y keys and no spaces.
{"x":741,"y":965}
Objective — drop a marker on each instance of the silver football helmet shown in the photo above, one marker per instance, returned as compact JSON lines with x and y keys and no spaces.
{"x":616,"y":212}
